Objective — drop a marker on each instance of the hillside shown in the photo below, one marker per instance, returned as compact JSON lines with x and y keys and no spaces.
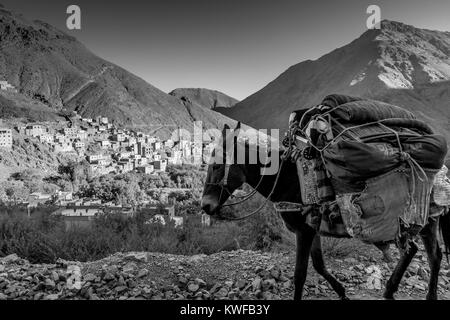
{"x":210,"y":99}
{"x":247,"y":275}
{"x":399,"y":63}
{"x":53,"y":68}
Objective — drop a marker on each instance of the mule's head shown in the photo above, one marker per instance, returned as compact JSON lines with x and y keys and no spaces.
{"x":224,"y":176}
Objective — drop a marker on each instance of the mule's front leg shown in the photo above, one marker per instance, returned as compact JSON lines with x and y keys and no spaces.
{"x":399,"y":271}
{"x":305,"y":238}
{"x":319,"y":265}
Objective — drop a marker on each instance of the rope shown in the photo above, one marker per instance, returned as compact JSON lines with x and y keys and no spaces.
{"x":265,"y":201}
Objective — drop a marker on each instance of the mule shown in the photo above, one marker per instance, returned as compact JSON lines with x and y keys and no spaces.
{"x":308,"y":240}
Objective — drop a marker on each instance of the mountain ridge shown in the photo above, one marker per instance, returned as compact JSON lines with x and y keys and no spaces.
{"x":53,"y":68}
{"x":400,"y":64}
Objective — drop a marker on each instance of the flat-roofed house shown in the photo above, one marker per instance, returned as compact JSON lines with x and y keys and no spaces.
{"x":6,"y":138}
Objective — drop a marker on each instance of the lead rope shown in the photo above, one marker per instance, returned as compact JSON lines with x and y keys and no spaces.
{"x":265,"y":201}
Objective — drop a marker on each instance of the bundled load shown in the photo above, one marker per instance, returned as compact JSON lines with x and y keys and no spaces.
{"x":373,"y":161}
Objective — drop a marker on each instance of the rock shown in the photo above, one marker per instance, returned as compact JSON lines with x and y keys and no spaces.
{"x":287,"y":284}
{"x":182,"y":280}
{"x":256,"y":284}
{"x":138,"y":257}
{"x":197,"y":258}
{"x":229,"y":283}
{"x":241,"y":283}
{"x":89,"y":277}
{"x":275,"y":273}
{"x":38,"y":296}
{"x":131,"y":283}
{"x":12,"y":258}
{"x":200,"y":282}
{"x":120,"y":289}
{"x":222,"y":293}
{"x":421,"y":272}
{"x":130,"y":267}
{"x":142,"y":273}
{"x":108,"y":277}
{"x":51,"y":297}
{"x":74,"y":280}
{"x":55,"y":276}
{"x":50,"y":284}
{"x":3,"y":297}
{"x":351,"y":260}
{"x":193,"y":287}
{"x":374,"y":280}
{"x":269,"y":284}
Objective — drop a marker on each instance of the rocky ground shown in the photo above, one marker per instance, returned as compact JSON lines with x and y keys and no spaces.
{"x":227,"y":275}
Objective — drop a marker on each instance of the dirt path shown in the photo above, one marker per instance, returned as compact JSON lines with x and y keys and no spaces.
{"x":226,"y":275}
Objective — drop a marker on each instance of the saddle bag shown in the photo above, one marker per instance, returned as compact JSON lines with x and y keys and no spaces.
{"x":397,"y":198}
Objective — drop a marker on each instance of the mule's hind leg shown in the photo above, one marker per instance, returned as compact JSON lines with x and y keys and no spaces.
{"x":305,"y":238}
{"x":319,"y":266}
{"x":405,"y":259}
{"x":384,"y":248}
{"x":434,"y":253}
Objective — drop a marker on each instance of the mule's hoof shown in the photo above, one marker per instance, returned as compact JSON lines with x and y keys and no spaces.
{"x":388,"y":296}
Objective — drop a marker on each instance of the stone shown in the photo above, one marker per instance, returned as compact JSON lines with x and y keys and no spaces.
{"x":50,"y":284}
{"x":222,"y":293}
{"x":108,"y":276}
{"x":421,"y":272}
{"x":240,"y":284}
{"x":74,"y":280}
{"x":142,"y":273}
{"x":351,"y":260}
{"x":131,"y":283}
{"x":90,"y":277}
{"x":55,"y":276}
{"x":51,"y":297}
{"x":268,"y":284}
{"x":373,"y":282}
{"x":182,"y":280}
{"x":275,"y":273}
{"x":130,"y":267}
{"x":3,"y":296}
{"x":256,"y":284}
{"x":193,"y":287}
{"x":200,"y":282}
{"x":229,"y":283}
{"x":120,"y":289}
{"x":12,"y":258}
{"x":138,"y":257}
{"x":287,"y":284}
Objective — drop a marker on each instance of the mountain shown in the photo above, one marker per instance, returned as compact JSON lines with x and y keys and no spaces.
{"x":210,"y":99}
{"x":399,"y":64}
{"x":54,"y":70}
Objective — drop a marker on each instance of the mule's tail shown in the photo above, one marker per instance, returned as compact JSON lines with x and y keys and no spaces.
{"x":444,"y":226}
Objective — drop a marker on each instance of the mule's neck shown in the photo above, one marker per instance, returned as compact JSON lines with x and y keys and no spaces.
{"x":287,"y":187}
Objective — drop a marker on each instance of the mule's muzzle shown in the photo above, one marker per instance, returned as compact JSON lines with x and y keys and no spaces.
{"x":210,"y":205}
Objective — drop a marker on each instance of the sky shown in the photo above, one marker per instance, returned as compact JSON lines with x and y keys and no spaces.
{"x":233,"y":46}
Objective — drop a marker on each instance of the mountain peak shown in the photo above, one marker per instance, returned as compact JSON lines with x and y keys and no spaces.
{"x":53,"y":69}
{"x":399,"y":63}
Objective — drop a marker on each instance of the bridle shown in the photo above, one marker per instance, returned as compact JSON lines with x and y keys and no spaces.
{"x":223,"y":184}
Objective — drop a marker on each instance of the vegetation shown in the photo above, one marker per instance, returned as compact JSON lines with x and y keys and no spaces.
{"x":43,"y":238}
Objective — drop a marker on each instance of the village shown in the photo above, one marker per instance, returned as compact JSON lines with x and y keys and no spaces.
{"x":107,"y":149}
